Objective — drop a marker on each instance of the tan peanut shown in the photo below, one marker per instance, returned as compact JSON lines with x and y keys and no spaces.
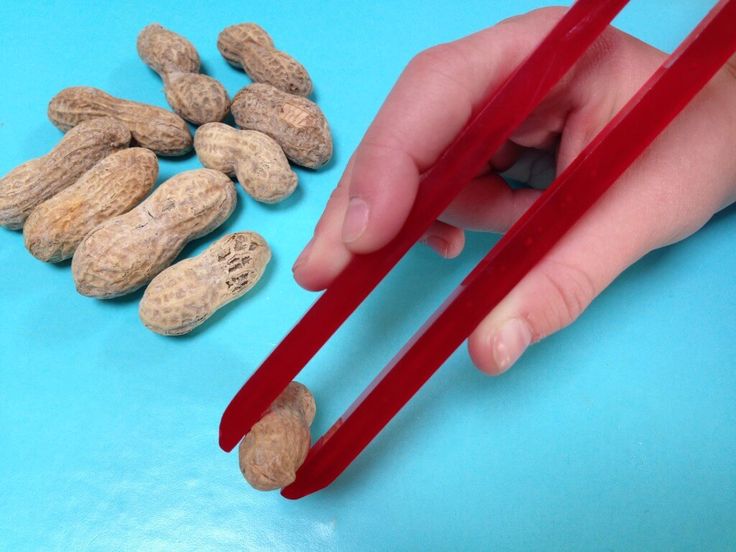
{"x":254,"y":158}
{"x":277,"y":445}
{"x":186,"y":294}
{"x":157,"y":129}
{"x":197,"y":98}
{"x":37,"y":180}
{"x":126,"y":252}
{"x":112,"y":187}
{"x":296,"y":123}
{"x":249,"y":47}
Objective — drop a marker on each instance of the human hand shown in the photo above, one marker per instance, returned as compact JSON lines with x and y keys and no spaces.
{"x":681,"y":180}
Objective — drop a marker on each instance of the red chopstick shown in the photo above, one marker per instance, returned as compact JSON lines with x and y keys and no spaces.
{"x":505,"y":109}
{"x":610,"y":153}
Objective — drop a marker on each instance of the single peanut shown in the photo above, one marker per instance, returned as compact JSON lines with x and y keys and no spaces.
{"x":186,"y":294}
{"x":249,"y":47}
{"x":126,"y":252}
{"x":112,"y":187}
{"x":254,"y":158}
{"x":157,"y":129}
{"x":279,"y":442}
{"x":197,"y":98}
{"x":296,"y":123}
{"x":37,"y":180}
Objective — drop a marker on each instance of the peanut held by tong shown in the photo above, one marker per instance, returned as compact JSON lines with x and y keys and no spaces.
{"x":277,"y":445}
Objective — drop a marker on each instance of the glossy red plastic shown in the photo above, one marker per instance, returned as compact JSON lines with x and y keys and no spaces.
{"x":487,"y":130}
{"x":610,"y":153}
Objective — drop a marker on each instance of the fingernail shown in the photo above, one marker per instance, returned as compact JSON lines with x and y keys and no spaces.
{"x":303,"y":256}
{"x":356,"y":220}
{"x":510,"y":342}
{"x":438,"y":244}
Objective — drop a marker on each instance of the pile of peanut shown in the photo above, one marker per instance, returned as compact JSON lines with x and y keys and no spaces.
{"x":91,"y":198}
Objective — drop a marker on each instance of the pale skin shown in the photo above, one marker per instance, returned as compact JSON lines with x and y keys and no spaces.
{"x":685,"y":177}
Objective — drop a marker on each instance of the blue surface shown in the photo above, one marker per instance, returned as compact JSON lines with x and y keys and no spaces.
{"x":617,"y":434}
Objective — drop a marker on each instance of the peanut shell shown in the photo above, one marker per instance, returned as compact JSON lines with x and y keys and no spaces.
{"x":126,"y":252}
{"x":37,"y":180}
{"x":230,"y":40}
{"x":157,"y":129}
{"x":297,"y":396}
{"x":165,"y":51}
{"x":254,"y":158}
{"x":112,"y":187}
{"x":186,"y":294}
{"x":249,"y":47}
{"x":197,"y":98}
{"x":277,"y":445}
{"x":296,"y":123}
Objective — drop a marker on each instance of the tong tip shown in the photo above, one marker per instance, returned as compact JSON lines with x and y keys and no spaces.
{"x":301,"y":488}
{"x":292,"y":493}
{"x":228,"y":438}
{"x":319,"y":469}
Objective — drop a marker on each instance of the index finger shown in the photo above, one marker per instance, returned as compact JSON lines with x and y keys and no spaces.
{"x":431,"y":102}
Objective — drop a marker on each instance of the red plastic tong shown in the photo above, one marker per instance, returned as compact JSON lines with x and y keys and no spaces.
{"x":574,"y":191}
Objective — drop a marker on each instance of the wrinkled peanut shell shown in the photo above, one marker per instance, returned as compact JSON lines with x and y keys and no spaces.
{"x":296,"y":123}
{"x":197,"y":98}
{"x":277,"y":445}
{"x":37,"y":180}
{"x":112,"y":187}
{"x":186,"y":294}
{"x":165,"y":51}
{"x":254,"y":158}
{"x":157,"y":129}
{"x":126,"y":252}
{"x":249,"y":47}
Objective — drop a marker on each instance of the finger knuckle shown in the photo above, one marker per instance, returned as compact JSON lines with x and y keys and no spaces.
{"x":336,"y":199}
{"x":731,"y":66}
{"x":568,"y":289}
{"x":441,"y":55}
{"x":552,"y":13}
{"x":440,"y":63}
{"x":337,"y":196}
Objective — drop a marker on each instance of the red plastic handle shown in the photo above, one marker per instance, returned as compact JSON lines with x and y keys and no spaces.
{"x":610,"y":153}
{"x":504,"y":110}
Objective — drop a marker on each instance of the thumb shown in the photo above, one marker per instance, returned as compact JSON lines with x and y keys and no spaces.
{"x":550,"y":297}
{"x":672,"y":190}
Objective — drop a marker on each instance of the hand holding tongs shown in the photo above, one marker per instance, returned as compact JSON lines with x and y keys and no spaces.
{"x":573,"y":192}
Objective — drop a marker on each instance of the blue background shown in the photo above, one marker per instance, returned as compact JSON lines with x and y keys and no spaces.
{"x":619,"y":433}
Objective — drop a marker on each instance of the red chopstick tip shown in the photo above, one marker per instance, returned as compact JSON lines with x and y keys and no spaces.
{"x":292,"y":493}
{"x":299,"y":489}
{"x":227,"y":439}
{"x":310,"y":477}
